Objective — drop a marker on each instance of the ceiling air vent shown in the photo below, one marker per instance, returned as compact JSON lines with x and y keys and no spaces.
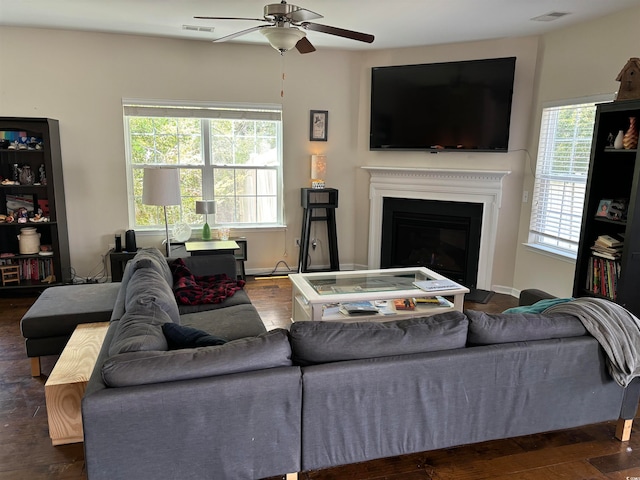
{"x":549,"y":17}
{"x":196,"y":28}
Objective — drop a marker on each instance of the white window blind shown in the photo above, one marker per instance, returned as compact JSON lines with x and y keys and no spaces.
{"x":561,"y":176}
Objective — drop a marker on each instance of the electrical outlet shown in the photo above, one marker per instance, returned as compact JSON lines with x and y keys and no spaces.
{"x":297,"y":242}
{"x":111,"y":246}
{"x":525,"y":196}
{"x":314,"y":243}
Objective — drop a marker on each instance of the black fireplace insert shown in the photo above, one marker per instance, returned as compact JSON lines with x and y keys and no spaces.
{"x":443,"y":236}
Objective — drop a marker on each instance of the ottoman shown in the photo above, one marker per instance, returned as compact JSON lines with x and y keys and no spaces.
{"x":49,"y":323}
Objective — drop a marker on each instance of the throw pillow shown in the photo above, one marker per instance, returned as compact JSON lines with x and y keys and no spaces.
{"x":180,"y":336}
{"x":322,"y":342}
{"x":487,"y":328}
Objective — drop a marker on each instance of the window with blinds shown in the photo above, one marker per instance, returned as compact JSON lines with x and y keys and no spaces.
{"x":561,"y":176}
{"x":228,"y":153}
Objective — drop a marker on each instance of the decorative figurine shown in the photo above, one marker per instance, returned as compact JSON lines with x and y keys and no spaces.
{"x":43,"y":177}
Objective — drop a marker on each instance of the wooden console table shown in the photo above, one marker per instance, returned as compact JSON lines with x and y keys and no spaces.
{"x":66,"y":385}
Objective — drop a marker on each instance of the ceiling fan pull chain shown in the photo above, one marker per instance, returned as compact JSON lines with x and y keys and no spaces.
{"x":283,"y":76}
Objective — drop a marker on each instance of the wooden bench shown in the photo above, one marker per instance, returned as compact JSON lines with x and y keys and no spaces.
{"x":66,"y":385}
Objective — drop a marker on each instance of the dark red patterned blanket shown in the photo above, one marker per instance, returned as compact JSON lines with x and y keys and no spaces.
{"x":190,"y":289}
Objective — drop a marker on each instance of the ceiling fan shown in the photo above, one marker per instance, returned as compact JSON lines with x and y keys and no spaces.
{"x":285,"y":28}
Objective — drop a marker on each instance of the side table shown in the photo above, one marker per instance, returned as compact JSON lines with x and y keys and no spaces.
{"x":68,"y":380}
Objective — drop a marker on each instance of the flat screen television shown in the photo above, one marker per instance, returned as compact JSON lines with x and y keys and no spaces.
{"x":450,"y":106}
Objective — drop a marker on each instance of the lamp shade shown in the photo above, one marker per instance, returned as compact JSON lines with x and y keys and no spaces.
{"x":318,"y":167}
{"x":161,"y":186}
{"x":205,"y":207}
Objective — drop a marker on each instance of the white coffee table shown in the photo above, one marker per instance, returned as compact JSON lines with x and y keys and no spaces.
{"x":315,"y":295}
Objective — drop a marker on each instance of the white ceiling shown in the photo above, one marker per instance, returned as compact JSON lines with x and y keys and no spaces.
{"x":397,"y":23}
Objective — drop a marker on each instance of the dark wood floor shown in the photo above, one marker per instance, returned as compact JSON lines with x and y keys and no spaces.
{"x":582,"y":453}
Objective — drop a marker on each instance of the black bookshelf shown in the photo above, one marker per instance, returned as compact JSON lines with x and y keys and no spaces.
{"x":613,"y":174}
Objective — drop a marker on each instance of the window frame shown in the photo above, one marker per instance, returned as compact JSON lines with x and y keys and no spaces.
{"x":544,"y":164}
{"x":205,"y":112}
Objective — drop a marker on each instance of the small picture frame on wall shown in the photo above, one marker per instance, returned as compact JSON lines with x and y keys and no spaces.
{"x":318,"y":125}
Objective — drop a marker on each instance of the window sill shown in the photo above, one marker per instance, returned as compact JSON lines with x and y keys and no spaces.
{"x":551,"y":252}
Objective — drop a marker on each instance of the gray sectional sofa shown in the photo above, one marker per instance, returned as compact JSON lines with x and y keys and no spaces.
{"x":328,"y":393}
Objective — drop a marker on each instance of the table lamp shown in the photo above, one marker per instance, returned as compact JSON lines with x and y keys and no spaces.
{"x":206,"y":207}
{"x":161,"y":187}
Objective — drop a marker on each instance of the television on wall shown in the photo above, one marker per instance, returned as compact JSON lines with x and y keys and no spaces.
{"x":452,"y":106}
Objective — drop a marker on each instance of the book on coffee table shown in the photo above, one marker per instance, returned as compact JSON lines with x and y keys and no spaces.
{"x":435,"y":285}
{"x":358,"y":308}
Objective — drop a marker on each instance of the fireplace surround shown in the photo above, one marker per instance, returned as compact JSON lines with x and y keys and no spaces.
{"x":447,"y":185}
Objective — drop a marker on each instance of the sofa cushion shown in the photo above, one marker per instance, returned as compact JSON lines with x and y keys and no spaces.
{"x":488,"y":328}
{"x":268,"y":350}
{"x":231,"y":323}
{"x":321,"y":342}
{"x":140,"y":329}
{"x":181,"y":336}
{"x":147,"y":286}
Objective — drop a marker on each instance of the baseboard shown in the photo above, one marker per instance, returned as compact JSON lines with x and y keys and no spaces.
{"x":514,"y":292}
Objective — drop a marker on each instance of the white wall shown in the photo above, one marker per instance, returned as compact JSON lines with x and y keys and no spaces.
{"x":80,"y":79}
{"x":575,"y":62}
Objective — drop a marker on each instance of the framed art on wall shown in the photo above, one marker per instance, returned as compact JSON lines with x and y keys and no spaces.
{"x":318,"y":125}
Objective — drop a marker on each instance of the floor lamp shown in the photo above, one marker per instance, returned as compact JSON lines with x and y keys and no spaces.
{"x":161,"y":186}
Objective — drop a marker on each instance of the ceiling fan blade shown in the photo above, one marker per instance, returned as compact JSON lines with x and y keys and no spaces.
{"x":303,"y":15}
{"x":304,"y":46}
{"x":340,"y":32}
{"x":241,"y":32}
{"x":231,"y":18}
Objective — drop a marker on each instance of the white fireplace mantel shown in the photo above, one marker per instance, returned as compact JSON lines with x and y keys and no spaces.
{"x":450,"y":185}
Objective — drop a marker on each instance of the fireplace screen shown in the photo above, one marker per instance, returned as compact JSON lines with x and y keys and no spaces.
{"x":442,"y":236}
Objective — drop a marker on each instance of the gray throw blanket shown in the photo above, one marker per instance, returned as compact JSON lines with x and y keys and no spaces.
{"x":616,"y":329}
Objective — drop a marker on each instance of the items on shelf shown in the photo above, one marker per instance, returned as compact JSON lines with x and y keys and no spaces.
{"x":358,"y":308}
{"x":404,"y":304}
{"x":607,"y":247}
{"x":604,"y":268}
{"x":603,"y":276}
{"x":613,"y":209}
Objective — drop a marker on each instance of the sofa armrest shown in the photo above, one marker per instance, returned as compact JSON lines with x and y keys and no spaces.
{"x":533,"y":295}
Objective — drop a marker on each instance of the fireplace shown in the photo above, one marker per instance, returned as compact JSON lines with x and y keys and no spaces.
{"x":480,"y":187}
{"x":443,"y":236}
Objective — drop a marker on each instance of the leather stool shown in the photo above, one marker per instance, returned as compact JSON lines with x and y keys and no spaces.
{"x":10,"y":274}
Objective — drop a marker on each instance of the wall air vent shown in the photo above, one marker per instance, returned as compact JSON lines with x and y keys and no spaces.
{"x":197,"y":28}
{"x":549,"y":17}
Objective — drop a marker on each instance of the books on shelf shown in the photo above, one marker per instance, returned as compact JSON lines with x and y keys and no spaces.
{"x":436,"y":301}
{"x":602,"y":277}
{"x":607,"y":247}
{"x":608,"y":241}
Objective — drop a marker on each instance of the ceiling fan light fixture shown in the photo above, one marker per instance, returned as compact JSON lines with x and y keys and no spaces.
{"x":283,"y":38}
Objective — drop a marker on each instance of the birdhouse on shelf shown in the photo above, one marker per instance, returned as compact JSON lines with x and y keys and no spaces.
{"x":629,"y":78}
